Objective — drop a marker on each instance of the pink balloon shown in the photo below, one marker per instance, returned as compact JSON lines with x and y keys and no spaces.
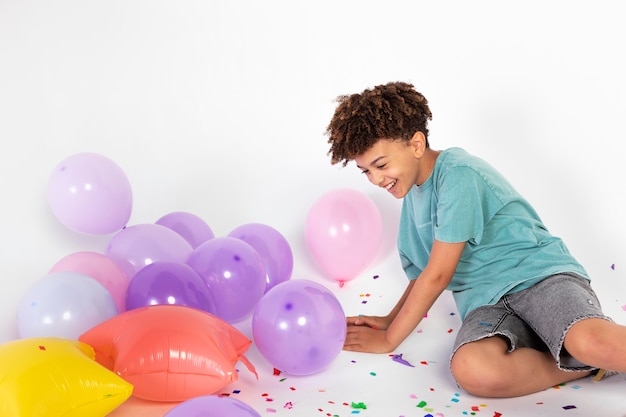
{"x":90,"y":194}
{"x":188,"y":225}
{"x":99,"y":267}
{"x":142,"y":244}
{"x":343,"y":232}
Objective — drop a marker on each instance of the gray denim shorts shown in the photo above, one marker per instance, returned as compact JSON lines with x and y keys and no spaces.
{"x":537,"y":317}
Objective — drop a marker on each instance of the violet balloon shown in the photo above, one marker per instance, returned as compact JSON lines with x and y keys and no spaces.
{"x":299,"y":327}
{"x":169,"y":283}
{"x":234,"y":273}
{"x":142,"y":244}
{"x":343,"y":232}
{"x":212,"y":406}
{"x":63,"y":304}
{"x":273,"y":249}
{"x":188,"y":225}
{"x":89,"y":193}
{"x":99,"y":267}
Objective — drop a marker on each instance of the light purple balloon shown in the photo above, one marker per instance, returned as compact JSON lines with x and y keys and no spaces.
{"x":235,"y":274}
{"x":273,"y":249}
{"x":64,"y":304}
{"x":299,"y":327}
{"x":169,"y":283}
{"x":188,"y":225}
{"x":142,"y":244}
{"x":89,"y":193}
{"x":212,"y":406}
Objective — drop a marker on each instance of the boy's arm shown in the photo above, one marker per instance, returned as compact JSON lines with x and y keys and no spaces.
{"x":428,"y":286}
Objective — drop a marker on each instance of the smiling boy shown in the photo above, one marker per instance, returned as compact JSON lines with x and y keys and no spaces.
{"x":530,"y":319}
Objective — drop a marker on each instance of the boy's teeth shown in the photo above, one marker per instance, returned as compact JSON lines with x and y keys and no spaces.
{"x":391,"y":185}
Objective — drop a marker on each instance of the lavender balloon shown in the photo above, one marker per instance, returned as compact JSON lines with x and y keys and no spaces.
{"x":299,"y":327}
{"x":234,"y":273}
{"x":188,"y":225}
{"x":142,"y":244}
{"x":169,"y":283}
{"x":212,"y":406}
{"x":273,"y":249}
{"x":89,"y":193}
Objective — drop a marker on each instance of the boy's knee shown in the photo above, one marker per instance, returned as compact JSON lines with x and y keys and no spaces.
{"x":478,"y":375}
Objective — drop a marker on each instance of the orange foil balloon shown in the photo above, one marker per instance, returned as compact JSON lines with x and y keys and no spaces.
{"x":170,"y":352}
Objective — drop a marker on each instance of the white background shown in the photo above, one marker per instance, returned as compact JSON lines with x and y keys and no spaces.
{"x":219,"y":108}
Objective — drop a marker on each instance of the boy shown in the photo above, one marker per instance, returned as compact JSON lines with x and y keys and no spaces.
{"x":530,"y":317}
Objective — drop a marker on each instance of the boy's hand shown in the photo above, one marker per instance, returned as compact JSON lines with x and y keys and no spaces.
{"x":375,"y":322}
{"x":366,"y":339}
{"x":367,"y":334}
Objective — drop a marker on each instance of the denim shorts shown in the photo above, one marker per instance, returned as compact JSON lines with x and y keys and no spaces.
{"x":537,"y":317}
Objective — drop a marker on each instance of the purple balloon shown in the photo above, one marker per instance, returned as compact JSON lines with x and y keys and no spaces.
{"x":299,"y":327}
{"x":90,"y":194}
{"x":273,"y":249}
{"x":235,"y":274}
{"x":188,"y":225}
{"x":212,"y":406}
{"x":137,"y":246}
{"x":169,"y":283}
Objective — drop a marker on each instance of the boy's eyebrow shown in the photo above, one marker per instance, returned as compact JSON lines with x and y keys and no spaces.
{"x":373,"y":162}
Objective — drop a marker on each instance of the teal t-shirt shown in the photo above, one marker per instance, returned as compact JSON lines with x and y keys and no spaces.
{"x":508,"y":247}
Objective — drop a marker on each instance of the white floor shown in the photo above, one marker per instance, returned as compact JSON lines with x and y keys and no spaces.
{"x":388,"y":388}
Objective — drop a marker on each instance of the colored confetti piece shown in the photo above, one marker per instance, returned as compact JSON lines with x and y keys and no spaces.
{"x":375,"y":276}
{"x":422,"y":404}
{"x":569,"y":407}
{"x":398,"y":358}
{"x":373,"y":373}
{"x":359,"y":405}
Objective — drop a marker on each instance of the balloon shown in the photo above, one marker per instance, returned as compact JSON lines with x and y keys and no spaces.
{"x":343,"y":232}
{"x":299,"y":327}
{"x":63,"y":304}
{"x":212,"y":406}
{"x":90,"y":194}
{"x":169,"y":283}
{"x":56,"y":377}
{"x":188,"y":225}
{"x":170,"y":352}
{"x":273,"y":249}
{"x":99,"y":267}
{"x":139,"y":245}
{"x":235,"y":274}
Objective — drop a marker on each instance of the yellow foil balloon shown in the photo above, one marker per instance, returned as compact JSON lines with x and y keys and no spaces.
{"x":54,"y":377}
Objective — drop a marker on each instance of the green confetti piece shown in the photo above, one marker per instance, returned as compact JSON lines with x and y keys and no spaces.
{"x":422,"y":404}
{"x":359,"y":405}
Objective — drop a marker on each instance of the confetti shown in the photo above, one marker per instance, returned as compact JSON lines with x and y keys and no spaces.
{"x":569,"y":407}
{"x":398,"y":358}
{"x":359,"y":405}
{"x":422,"y":404}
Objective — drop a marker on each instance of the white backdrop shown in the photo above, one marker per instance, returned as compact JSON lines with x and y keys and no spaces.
{"x":219,"y":108}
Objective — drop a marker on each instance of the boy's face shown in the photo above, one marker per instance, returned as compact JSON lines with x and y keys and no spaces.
{"x":393,"y":164}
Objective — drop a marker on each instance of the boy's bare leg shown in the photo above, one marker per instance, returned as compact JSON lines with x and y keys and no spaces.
{"x":484,"y":368}
{"x":599,"y":343}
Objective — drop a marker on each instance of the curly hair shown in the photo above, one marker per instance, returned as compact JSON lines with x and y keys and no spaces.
{"x":391,"y":111}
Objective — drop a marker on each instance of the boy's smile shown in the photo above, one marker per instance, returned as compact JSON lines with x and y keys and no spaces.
{"x":396,"y":165}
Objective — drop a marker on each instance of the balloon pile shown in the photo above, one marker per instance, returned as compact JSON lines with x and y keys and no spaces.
{"x":153,"y":314}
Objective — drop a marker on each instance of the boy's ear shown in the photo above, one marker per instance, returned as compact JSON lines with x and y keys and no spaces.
{"x":418,"y":143}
